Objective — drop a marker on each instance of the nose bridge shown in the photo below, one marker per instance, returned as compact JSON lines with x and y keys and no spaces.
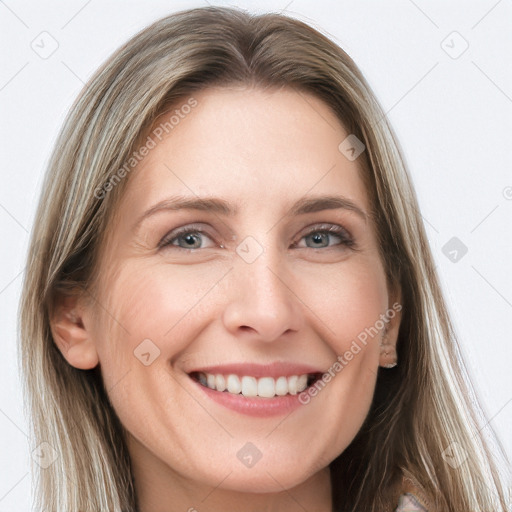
{"x":265,"y":280}
{"x":261,"y":300}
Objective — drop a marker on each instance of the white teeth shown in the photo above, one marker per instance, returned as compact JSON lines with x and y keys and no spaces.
{"x":292,"y":384}
{"x":234,"y":384}
{"x":220,"y":382}
{"x":249,"y":386}
{"x":265,"y":387}
{"x":302,"y":383}
{"x":210,"y":381}
{"x":282,"y":386}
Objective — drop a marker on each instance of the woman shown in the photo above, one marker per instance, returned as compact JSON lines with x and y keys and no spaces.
{"x":189,"y":342}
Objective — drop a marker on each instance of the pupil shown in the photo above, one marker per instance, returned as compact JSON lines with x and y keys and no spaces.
{"x":190,"y":239}
{"x":318,"y":238}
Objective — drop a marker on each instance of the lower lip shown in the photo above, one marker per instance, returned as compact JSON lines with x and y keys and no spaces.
{"x":253,"y":406}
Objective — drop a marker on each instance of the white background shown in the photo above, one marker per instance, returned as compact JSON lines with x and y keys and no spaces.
{"x":453,"y":117}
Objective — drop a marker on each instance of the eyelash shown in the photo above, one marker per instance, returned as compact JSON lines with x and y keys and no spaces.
{"x":343,"y":235}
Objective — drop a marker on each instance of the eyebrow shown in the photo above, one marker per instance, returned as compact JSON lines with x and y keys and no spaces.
{"x":222,"y":207}
{"x":320,"y":203}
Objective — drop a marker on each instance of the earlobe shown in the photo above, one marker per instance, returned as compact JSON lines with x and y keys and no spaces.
{"x":388,"y":354}
{"x":71,"y":335}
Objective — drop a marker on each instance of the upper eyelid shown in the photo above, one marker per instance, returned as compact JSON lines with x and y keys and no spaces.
{"x":324,"y":226}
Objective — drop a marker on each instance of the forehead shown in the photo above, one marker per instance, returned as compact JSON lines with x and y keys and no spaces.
{"x":260,"y":150}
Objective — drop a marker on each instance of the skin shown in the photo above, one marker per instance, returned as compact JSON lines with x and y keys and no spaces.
{"x":301,"y":300}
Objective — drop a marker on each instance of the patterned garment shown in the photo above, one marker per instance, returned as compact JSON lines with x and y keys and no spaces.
{"x":409,"y":503}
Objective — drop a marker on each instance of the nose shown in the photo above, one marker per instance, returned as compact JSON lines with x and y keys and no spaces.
{"x":262,"y":304}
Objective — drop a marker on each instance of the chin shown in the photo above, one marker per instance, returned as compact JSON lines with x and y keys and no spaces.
{"x":263,"y":481}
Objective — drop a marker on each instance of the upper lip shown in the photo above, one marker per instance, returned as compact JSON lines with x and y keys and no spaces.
{"x":277,"y":369}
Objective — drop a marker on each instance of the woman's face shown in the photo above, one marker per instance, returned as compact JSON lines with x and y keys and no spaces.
{"x":226,"y":263}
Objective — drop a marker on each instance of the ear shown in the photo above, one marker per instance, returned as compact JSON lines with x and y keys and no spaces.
{"x":71,"y":335}
{"x":388,"y":354}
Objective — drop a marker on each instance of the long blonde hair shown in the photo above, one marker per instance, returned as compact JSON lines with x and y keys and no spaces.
{"x":421,"y":407}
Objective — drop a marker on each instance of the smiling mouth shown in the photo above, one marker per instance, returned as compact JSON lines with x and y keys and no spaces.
{"x":263,"y":387}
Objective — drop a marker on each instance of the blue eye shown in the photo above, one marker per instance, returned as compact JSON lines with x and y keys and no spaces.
{"x":321,"y":235}
{"x":191,"y":239}
{"x":319,"y":238}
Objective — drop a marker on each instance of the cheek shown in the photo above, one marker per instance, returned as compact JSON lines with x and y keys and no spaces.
{"x":146,"y":318}
{"x":348,"y":300}
{"x":150,"y":308}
